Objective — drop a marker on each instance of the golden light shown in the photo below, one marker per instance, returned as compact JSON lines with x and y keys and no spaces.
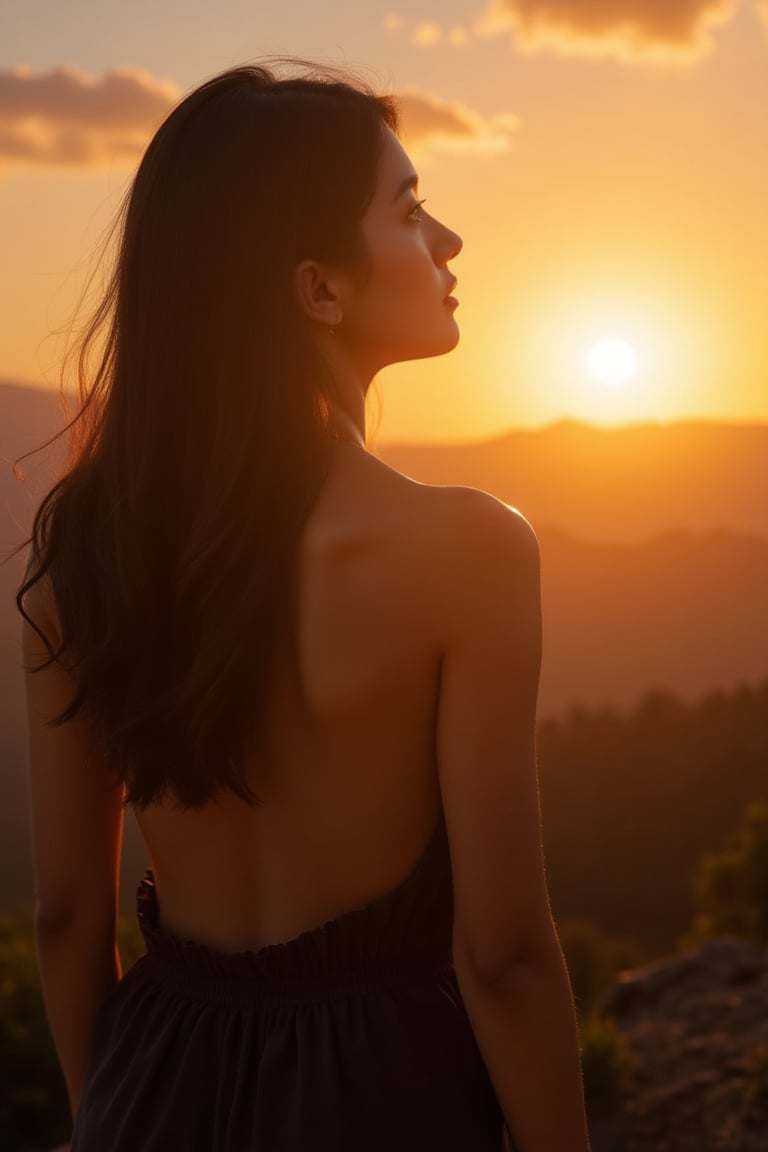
{"x":612,"y":361}
{"x":608,"y":357}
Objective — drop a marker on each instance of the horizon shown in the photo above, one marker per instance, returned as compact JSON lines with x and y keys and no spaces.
{"x":560,"y":422}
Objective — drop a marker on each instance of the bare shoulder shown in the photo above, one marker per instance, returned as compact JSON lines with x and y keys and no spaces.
{"x":479,"y":545}
{"x":483,"y":519}
{"x":454,"y":512}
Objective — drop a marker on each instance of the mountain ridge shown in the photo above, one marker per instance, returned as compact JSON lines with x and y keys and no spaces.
{"x":619,"y":483}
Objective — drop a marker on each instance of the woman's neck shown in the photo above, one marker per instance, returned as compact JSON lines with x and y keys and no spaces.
{"x":348,"y":422}
{"x":352,"y":381}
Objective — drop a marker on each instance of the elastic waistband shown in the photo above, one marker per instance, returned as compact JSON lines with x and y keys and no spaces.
{"x":362,"y":951}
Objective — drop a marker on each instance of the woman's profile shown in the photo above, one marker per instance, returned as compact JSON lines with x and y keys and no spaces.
{"x":312,"y":678}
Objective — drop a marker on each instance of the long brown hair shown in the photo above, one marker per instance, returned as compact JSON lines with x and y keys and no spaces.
{"x":203,"y":432}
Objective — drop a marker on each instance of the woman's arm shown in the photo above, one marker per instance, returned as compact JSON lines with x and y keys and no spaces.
{"x":77,"y":825}
{"x":508,"y":961}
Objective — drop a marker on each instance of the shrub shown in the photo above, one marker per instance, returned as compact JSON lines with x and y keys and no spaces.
{"x":731,"y":886}
{"x":34,"y":1108}
{"x":594,"y":960}
{"x":605,"y":1059}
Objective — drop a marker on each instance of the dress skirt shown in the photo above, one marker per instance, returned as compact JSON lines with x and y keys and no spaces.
{"x":352,"y":1037}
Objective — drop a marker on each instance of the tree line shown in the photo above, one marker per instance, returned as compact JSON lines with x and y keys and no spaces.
{"x":632,"y":801}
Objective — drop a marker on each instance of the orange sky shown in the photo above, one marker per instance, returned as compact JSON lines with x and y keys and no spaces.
{"x":606,"y":165}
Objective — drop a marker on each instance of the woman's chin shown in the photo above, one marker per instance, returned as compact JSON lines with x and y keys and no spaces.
{"x":438,"y":345}
{"x":453,"y":339}
{"x":436,"y":350}
{"x":448,"y":342}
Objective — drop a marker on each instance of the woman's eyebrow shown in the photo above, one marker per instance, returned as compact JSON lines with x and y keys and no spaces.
{"x":411,"y":181}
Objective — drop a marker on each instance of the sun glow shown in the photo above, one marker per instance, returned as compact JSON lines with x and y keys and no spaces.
{"x":612,"y":361}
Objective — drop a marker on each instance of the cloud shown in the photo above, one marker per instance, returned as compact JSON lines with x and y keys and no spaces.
{"x":428,"y":33}
{"x":63,"y":117}
{"x":628,"y":29}
{"x":428,"y":119}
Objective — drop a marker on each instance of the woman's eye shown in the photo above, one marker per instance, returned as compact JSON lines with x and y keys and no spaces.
{"x":415,"y":213}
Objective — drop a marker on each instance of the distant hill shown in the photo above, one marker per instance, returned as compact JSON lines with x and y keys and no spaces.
{"x":611,"y":483}
{"x":682,"y":611}
{"x":27,"y":416}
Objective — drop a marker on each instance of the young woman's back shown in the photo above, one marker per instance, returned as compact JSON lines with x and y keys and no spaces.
{"x":350,"y":788}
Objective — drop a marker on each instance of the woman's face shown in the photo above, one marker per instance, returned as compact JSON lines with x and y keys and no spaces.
{"x":403,"y":310}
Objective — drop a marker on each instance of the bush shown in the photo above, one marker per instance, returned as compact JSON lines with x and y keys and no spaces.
{"x":594,"y":960}
{"x":605,"y":1059}
{"x":34,"y":1108}
{"x":731,"y":886}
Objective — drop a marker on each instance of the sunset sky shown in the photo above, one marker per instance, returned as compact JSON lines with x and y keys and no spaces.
{"x":606,"y":164}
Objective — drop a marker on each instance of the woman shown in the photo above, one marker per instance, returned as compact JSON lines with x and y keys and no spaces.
{"x":312,"y":678}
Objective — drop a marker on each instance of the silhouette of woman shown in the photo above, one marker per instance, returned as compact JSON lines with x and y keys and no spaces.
{"x":312,"y":678}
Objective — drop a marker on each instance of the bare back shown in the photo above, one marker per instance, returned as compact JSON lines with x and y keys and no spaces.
{"x":350,"y":793}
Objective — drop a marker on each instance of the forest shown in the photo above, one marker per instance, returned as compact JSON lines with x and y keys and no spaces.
{"x":652,"y":821}
{"x":631,"y":801}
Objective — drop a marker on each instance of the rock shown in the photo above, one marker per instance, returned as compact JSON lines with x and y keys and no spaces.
{"x":696,"y":1028}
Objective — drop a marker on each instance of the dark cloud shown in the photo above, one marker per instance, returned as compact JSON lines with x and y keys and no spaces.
{"x":62,"y":117}
{"x":428,"y":119}
{"x":625,"y":28}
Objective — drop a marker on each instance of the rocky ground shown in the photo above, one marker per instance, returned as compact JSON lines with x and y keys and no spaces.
{"x":696,"y":1028}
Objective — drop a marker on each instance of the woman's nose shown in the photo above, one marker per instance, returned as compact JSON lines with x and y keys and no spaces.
{"x":456,"y":245}
{"x":450,"y":244}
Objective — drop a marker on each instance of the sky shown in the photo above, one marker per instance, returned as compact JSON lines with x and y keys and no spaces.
{"x":606,"y":165}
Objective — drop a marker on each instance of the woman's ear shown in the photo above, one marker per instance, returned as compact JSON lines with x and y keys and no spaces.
{"x":318,"y":291}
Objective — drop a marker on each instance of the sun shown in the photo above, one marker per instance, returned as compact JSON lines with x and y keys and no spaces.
{"x":612,"y":361}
